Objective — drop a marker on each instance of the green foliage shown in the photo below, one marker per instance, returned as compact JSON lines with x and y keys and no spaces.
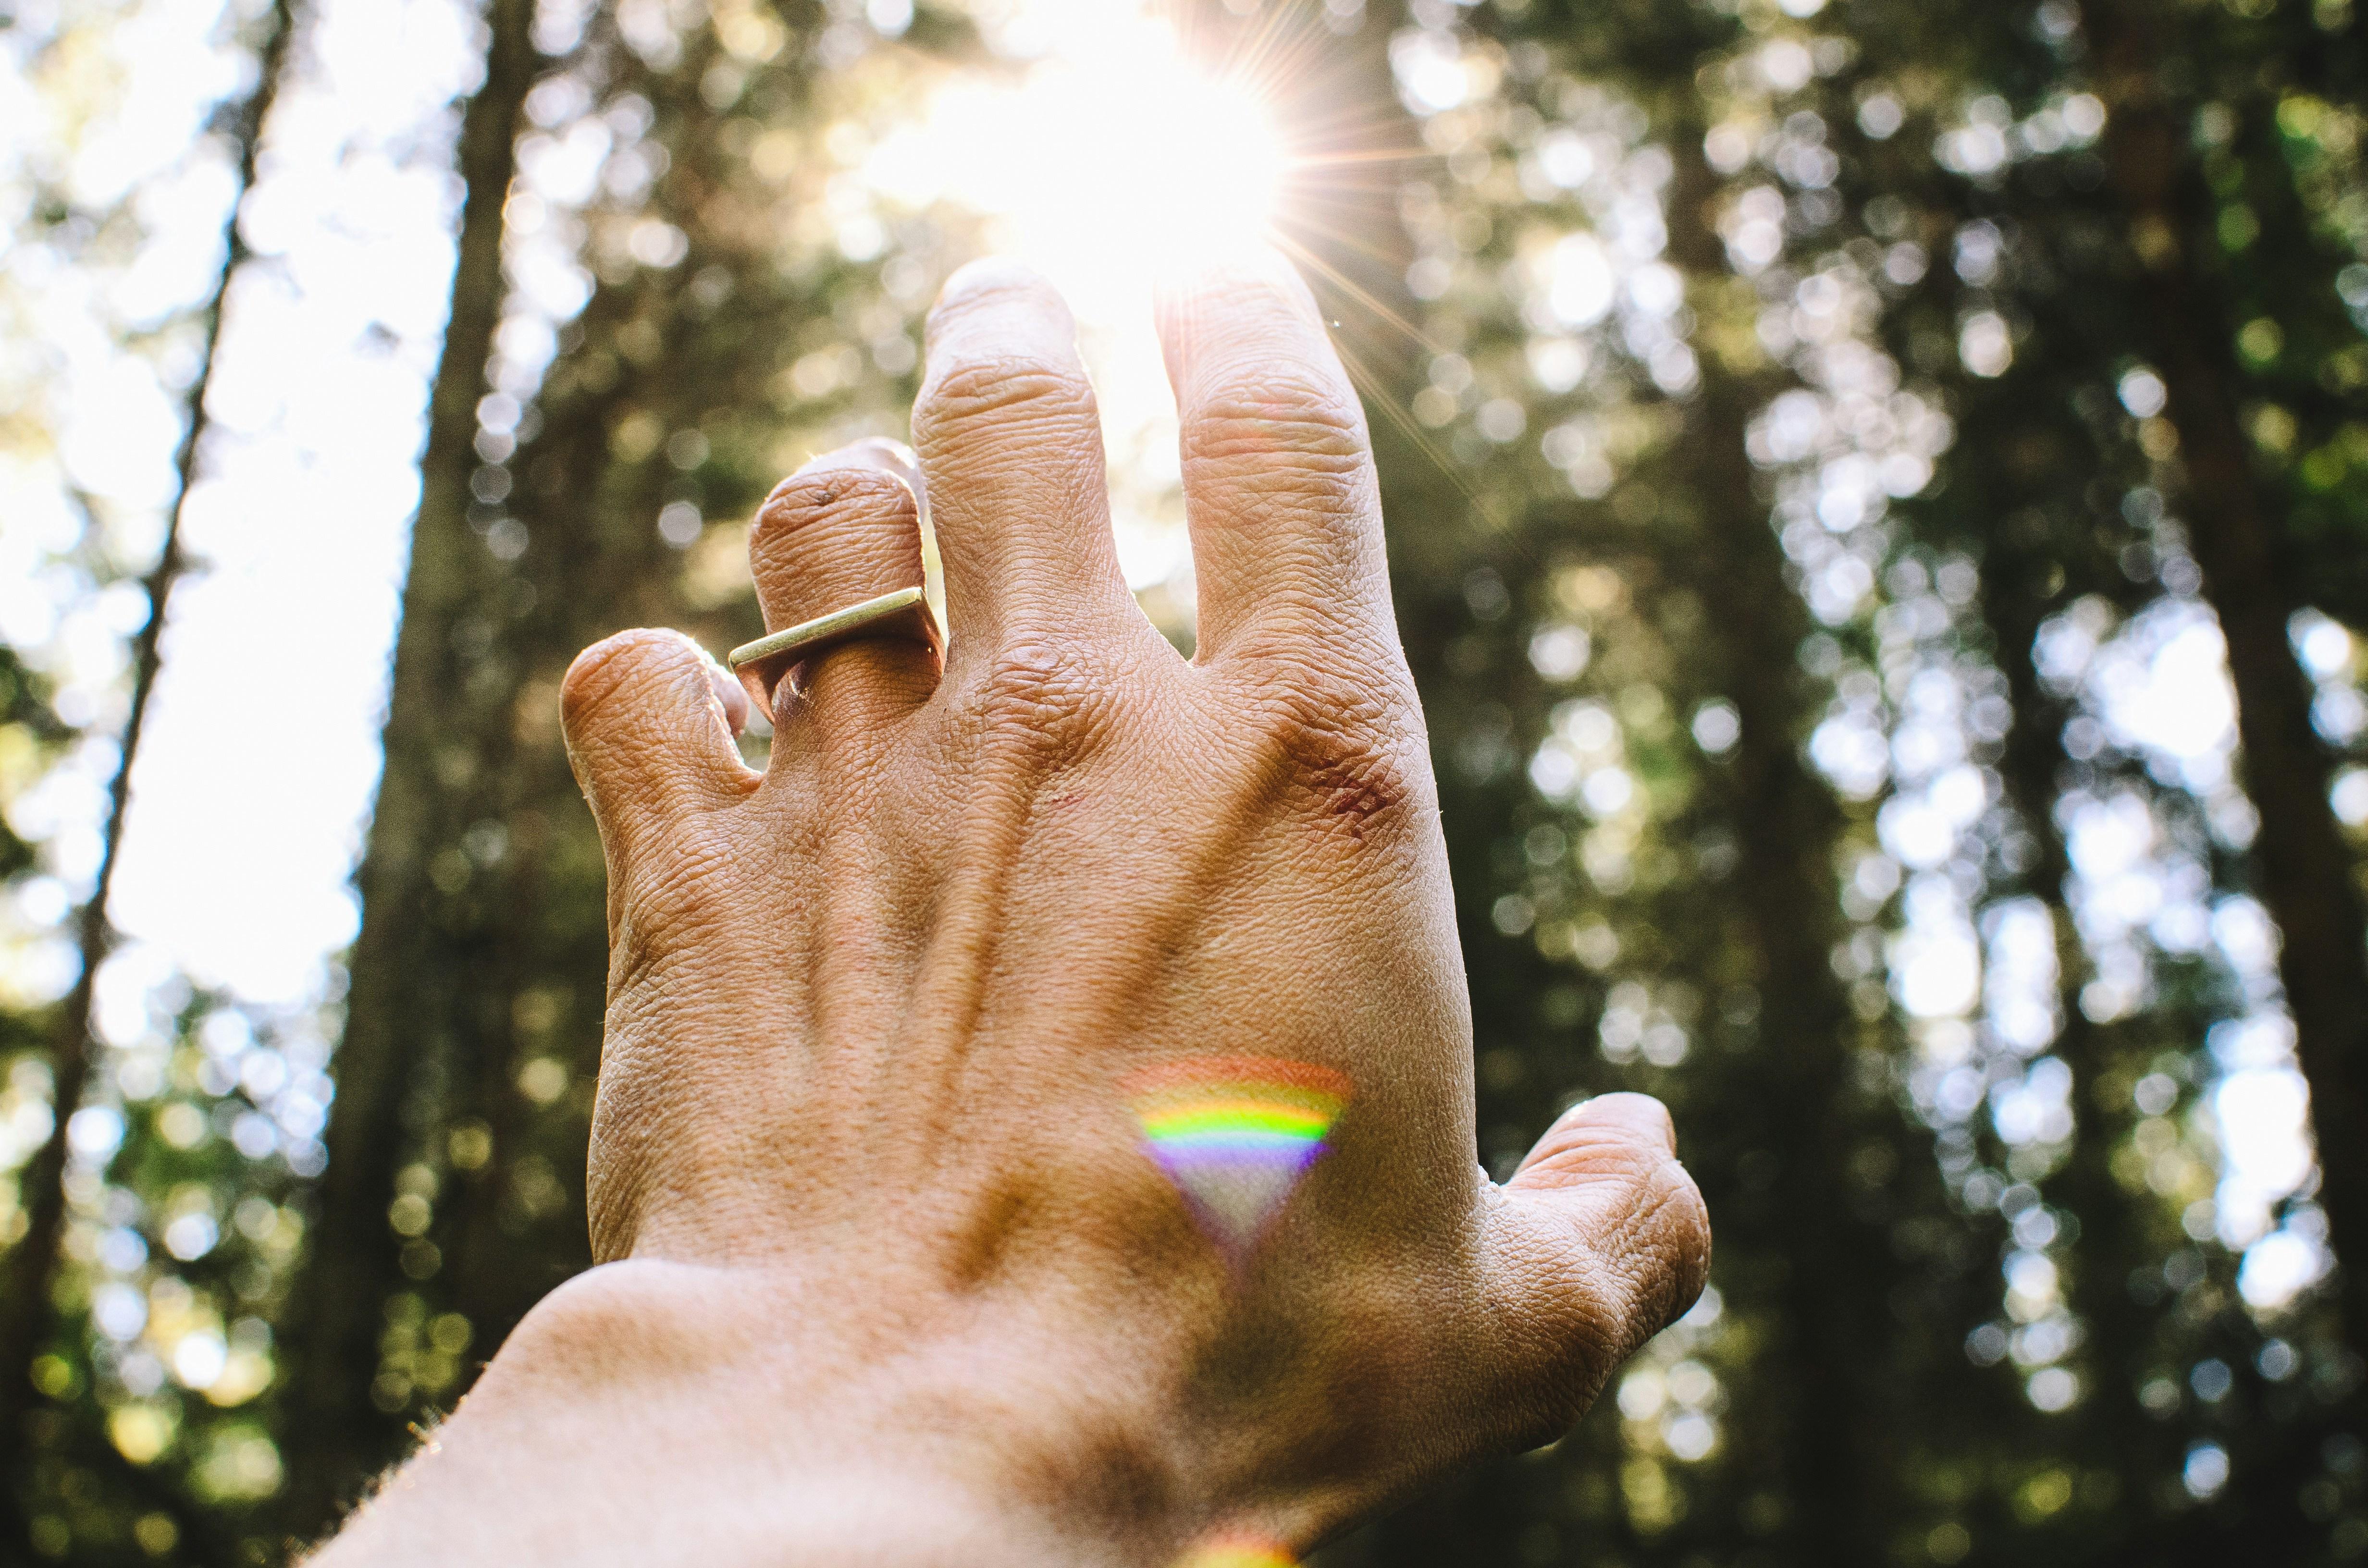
{"x":1794,"y":471}
{"x":724,"y":337}
{"x":1862,"y":238}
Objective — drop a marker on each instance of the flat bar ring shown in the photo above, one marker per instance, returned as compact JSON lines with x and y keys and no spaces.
{"x":762,"y":664}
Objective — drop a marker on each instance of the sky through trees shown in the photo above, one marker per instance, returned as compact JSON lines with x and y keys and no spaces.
{"x":1876,"y":495}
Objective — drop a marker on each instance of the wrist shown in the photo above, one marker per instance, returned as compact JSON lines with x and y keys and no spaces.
{"x":654,"y":1413}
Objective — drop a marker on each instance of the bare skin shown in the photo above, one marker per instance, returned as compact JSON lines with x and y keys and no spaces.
{"x":886,"y":1276}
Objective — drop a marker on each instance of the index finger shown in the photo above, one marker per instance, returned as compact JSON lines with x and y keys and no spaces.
{"x":1279,"y":484}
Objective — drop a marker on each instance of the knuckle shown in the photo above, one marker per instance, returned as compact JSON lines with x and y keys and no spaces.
{"x":1337,"y":746}
{"x":615,"y":665}
{"x":1045,"y":701}
{"x":1596,"y":1295}
{"x":1596,"y":1330}
{"x":1023,"y":390}
{"x":1654,"y":1264}
{"x":1683,"y":1245}
{"x":1267,"y":413}
{"x":1563,"y":1340}
{"x":661,"y":905}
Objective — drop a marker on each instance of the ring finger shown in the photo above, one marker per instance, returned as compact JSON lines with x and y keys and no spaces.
{"x":841,"y":531}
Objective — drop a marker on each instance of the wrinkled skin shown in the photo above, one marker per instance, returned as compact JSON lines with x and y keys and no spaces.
{"x":863,"y":1177}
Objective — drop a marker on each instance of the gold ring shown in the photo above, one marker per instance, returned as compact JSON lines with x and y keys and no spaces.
{"x":762,"y":664}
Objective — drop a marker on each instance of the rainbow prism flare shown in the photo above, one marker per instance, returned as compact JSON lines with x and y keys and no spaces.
{"x":1235,"y":1134}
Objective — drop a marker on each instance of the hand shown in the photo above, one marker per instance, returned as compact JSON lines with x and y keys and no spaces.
{"x":888,"y":1273}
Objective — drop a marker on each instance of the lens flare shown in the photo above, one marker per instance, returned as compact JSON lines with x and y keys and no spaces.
{"x":1238,"y":1551}
{"x":1235,"y":1134}
{"x":1203,"y":156}
{"x":1109,"y":158}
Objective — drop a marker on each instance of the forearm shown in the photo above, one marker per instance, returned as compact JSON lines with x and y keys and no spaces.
{"x":656,"y":1415}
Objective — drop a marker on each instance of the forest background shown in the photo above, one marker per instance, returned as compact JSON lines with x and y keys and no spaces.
{"x":1876,"y":492}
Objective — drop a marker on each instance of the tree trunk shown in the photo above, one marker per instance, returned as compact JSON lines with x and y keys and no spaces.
{"x":2304,"y":866}
{"x":1801,"y":1102}
{"x":335,"y":1434}
{"x":2123,"y":1338}
{"x":25,"y":1306}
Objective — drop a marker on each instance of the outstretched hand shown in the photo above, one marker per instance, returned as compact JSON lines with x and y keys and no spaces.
{"x":899,"y":1262}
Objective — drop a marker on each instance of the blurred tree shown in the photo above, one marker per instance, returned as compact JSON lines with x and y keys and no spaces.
{"x":2181,"y":229}
{"x":1828,"y":219}
{"x":29,"y":1323}
{"x":1696,"y":876}
{"x":1829,"y":447}
{"x":587,"y":477}
{"x":2053,"y":289}
{"x":399,"y":969}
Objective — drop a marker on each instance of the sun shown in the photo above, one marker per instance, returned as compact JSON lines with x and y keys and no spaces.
{"x":1185,"y":162}
{"x":1112,"y":157}
{"x":1110,"y":160}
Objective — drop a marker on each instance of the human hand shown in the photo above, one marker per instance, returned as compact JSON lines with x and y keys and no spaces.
{"x":889,"y":1274}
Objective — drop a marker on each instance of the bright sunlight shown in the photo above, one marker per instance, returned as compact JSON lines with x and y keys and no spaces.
{"x":1111,"y":158}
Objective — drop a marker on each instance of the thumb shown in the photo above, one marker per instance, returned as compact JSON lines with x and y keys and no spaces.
{"x":1599,"y":1242}
{"x":649,"y":720}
